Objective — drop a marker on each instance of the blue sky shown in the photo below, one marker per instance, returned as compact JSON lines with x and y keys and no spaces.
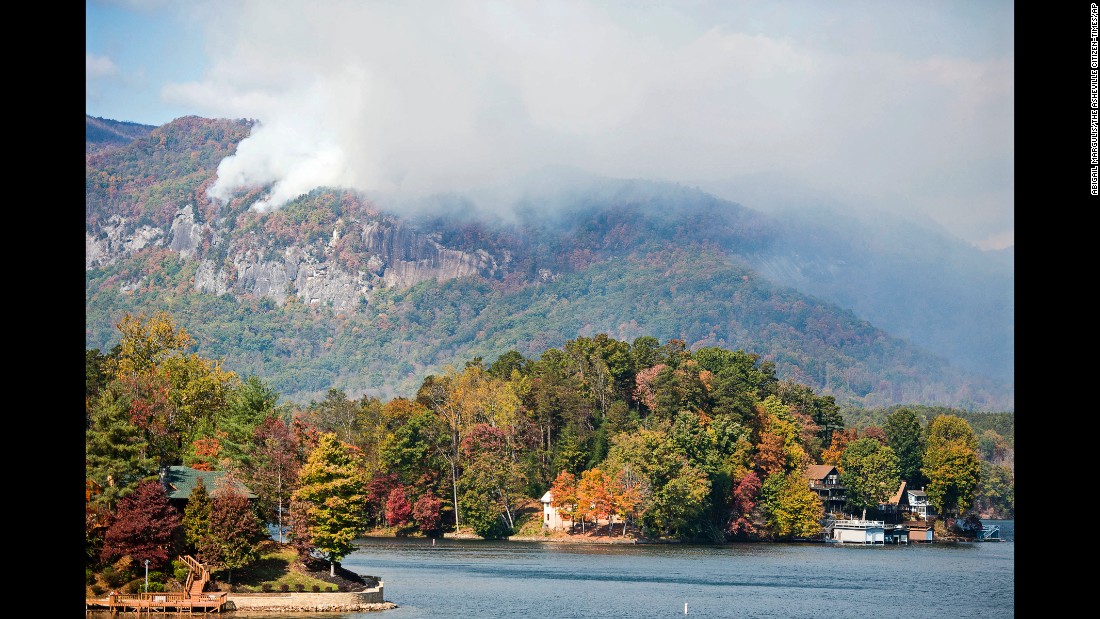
{"x":884,"y":105}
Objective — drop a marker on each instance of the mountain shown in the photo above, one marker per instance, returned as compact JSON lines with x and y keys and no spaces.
{"x":103,"y":133}
{"x":372,"y":294}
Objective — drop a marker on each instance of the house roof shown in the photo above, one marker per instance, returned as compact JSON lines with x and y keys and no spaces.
{"x":179,"y":481}
{"x":896,"y":499}
{"x":819,"y":471}
{"x":546,"y":498}
{"x":916,"y":492}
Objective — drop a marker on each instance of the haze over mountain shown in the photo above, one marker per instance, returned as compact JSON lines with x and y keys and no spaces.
{"x":370,"y":293}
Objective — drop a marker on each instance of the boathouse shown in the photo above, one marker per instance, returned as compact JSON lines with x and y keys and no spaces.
{"x":859,"y":531}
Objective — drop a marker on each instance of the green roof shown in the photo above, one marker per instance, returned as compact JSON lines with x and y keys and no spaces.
{"x":179,"y":481}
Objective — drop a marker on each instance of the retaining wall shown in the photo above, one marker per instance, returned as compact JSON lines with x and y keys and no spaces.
{"x":300,"y":601}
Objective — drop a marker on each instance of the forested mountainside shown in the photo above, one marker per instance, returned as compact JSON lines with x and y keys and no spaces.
{"x":913,"y":281}
{"x":338,"y":290}
{"x":103,"y":132}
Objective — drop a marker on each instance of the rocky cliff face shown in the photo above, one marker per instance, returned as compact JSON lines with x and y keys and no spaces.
{"x":396,"y":255}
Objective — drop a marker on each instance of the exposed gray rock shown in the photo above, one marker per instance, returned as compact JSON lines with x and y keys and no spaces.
{"x":186,"y":234}
{"x":114,"y":241}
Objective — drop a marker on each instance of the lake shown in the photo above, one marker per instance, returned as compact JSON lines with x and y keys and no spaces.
{"x":476,"y":578}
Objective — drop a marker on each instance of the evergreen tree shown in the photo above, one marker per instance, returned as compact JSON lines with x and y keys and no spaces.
{"x":196,"y":523}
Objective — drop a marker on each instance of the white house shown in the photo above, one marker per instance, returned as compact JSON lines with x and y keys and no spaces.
{"x":550,"y":517}
{"x":918,"y":503}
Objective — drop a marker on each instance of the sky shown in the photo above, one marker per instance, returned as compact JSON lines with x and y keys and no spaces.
{"x":888,"y":106}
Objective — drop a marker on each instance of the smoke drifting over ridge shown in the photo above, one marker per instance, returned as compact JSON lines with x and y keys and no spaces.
{"x":876,"y":100}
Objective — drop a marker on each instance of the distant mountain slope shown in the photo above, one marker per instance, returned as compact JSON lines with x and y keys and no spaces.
{"x":916,"y":282}
{"x":336,"y":290}
{"x":102,"y":132}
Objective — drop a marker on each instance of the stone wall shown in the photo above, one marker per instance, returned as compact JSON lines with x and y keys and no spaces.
{"x":368,"y":599}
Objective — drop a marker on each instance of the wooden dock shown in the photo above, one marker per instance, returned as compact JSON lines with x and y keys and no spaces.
{"x":192,"y":599}
{"x":167,"y":602}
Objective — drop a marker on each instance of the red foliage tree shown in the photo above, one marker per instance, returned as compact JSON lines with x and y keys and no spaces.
{"x":378,"y":493}
{"x":235,"y":526}
{"x":398,"y":509}
{"x":744,"y":498}
{"x":145,"y":526}
{"x":428,"y":513}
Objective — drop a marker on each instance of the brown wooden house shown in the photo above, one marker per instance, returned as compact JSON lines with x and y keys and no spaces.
{"x":824,"y":480}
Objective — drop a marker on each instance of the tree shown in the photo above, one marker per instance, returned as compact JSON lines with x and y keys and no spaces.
{"x":427,"y":512}
{"x":333,"y":490}
{"x":746,"y":492}
{"x":563,"y":496}
{"x":492,"y":482}
{"x":271,"y":470}
{"x":870,"y":473}
{"x":196,"y":522}
{"x":595,"y":497}
{"x":146,"y":526}
{"x":906,"y":438}
{"x":398,"y":509}
{"x":236,"y":529}
{"x":995,"y":494}
{"x":461,"y":400}
{"x":791,"y":509}
{"x":951,"y":464}
{"x":115,"y":449}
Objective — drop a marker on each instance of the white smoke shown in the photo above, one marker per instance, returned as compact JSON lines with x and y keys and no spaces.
{"x":420,"y":97}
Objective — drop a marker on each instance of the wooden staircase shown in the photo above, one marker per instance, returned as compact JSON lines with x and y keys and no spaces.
{"x":195,"y":584}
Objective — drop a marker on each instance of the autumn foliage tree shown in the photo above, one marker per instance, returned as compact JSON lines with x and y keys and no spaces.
{"x":427,"y":512}
{"x":145,"y":526}
{"x":236,"y":530}
{"x":398,"y":509}
{"x":332,"y":493}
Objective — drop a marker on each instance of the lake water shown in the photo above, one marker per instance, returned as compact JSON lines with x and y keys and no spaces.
{"x":475,"y":578}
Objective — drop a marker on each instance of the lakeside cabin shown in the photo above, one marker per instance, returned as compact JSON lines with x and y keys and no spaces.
{"x":179,"y":481}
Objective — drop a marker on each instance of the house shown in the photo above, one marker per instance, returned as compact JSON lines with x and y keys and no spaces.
{"x":551,"y":519}
{"x":918,"y":503}
{"x":824,"y":480}
{"x":896,"y":506}
{"x":179,"y":481}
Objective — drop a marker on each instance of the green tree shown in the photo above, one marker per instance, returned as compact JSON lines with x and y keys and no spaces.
{"x":951,"y":464}
{"x":996,"y":493}
{"x":869,"y":471}
{"x":332,"y":488}
{"x":116,"y":451}
{"x":906,"y":437}
{"x":492,"y":483}
{"x":196,"y":522}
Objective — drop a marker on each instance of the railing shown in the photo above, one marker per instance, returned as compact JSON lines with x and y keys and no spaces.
{"x":860,"y":524}
{"x":166,"y":599}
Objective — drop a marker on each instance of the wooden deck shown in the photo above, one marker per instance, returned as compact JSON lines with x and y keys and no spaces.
{"x":168,"y":602}
{"x":192,"y":599}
